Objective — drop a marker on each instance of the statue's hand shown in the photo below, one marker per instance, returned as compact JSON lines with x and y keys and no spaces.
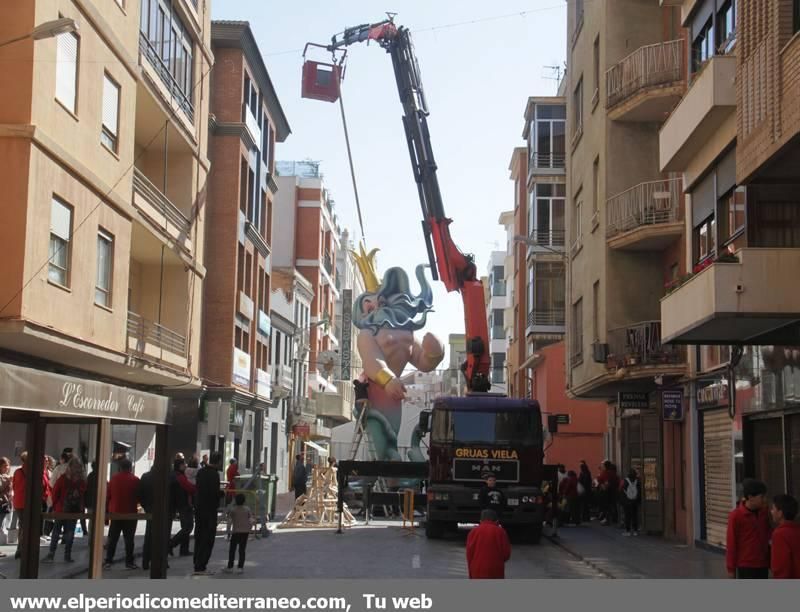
{"x":396,"y":389}
{"x":432,"y":347}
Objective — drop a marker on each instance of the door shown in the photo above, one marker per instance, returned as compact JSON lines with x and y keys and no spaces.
{"x":718,"y":492}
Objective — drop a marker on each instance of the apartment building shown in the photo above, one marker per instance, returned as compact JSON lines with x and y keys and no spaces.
{"x":246,"y":122}
{"x":454,"y":381}
{"x":627,"y":65}
{"x":494,"y":284}
{"x":104,"y":137}
{"x":734,"y":137}
{"x":515,"y":273}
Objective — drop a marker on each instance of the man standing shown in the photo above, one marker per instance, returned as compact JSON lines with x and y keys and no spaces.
{"x":785,"y":562}
{"x":492,"y":498}
{"x":122,"y":492}
{"x":488,"y":548}
{"x":206,"y":507}
{"x":747,"y":554}
{"x":181,"y":492}
{"x":299,"y":477}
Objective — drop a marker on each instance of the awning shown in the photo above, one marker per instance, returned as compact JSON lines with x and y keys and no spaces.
{"x":320,"y":449}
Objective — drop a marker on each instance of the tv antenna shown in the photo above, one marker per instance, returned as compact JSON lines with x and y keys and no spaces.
{"x":555,"y":72}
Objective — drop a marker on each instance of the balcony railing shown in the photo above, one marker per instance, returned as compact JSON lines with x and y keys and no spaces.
{"x":148,"y":333}
{"x":175,"y":90}
{"x":547,"y":318}
{"x":639,"y":344}
{"x":548,"y":238}
{"x":166,"y":213}
{"x":540,"y":161}
{"x":649,"y":203}
{"x":648,"y":66}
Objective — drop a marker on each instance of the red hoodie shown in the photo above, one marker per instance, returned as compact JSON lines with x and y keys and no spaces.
{"x":19,"y":484}
{"x":786,"y":550}
{"x":63,"y":487}
{"x":488,"y":549}
{"x":122,"y":493}
{"x":748,"y":539}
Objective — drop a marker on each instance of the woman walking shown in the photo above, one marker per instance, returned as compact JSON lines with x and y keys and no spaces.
{"x":6,"y":493}
{"x":68,"y":497}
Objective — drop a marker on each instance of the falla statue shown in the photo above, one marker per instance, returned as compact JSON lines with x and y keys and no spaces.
{"x":388,"y":316}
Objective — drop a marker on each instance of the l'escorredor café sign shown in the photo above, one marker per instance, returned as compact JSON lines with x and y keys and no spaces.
{"x":29,"y":389}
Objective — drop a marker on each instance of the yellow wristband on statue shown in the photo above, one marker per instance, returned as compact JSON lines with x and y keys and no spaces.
{"x":383,"y":377}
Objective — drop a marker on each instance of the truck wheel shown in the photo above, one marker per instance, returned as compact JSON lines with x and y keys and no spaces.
{"x":434,"y":530}
{"x":533,"y":535}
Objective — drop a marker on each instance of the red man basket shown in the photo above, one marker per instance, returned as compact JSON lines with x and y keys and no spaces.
{"x":321,"y":80}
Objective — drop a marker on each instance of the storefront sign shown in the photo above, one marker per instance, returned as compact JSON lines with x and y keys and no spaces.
{"x":672,"y":405}
{"x":241,"y":368}
{"x":347,"y":326}
{"x":715,"y":394}
{"x":30,"y":389}
{"x":632,"y":401}
{"x":263,"y":384}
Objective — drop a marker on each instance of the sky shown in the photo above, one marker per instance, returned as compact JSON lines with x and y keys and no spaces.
{"x":479,"y":63}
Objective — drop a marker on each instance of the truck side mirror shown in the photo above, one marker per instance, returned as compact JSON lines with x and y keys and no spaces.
{"x":425,"y":421}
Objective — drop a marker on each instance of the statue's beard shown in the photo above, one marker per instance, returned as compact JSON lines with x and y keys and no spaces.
{"x":401,"y":314}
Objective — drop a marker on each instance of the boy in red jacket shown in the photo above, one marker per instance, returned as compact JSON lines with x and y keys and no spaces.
{"x":785,"y":562}
{"x":488,"y":548}
{"x":747,"y":554}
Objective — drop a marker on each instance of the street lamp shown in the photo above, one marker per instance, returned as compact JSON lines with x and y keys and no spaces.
{"x":48,"y":29}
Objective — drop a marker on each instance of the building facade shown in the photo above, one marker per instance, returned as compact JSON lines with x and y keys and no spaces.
{"x":627,"y":69}
{"x":495,"y":289}
{"x":454,"y":381}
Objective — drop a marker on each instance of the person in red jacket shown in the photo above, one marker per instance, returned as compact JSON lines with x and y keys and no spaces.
{"x":747,"y":554}
{"x":785,"y":561}
{"x":568,"y":491}
{"x":122,"y":500}
{"x":488,"y":548}
{"x":68,"y":494}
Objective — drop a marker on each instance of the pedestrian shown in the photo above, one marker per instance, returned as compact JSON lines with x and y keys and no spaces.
{"x":18,"y":488}
{"x":608,"y":484}
{"x":230,"y":476}
{"x":90,"y":497}
{"x":204,"y":461}
{"x":192,"y":467}
{"x":181,"y":496}
{"x":488,"y":548}
{"x":122,"y":490}
{"x":6,"y":503}
{"x":585,"y":491}
{"x":60,"y":468}
{"x":299,"y":477}
{"x":490,"y":497}
{"x":332,"y":462}
{"x":206,"y":505}
{"x":562,"y":473}
{"x":785,"y":558}
{"x":747,"y":553}
{"x":68,"y":498}
{"x":47,"y":496}
{"x":146,"y":495}
{"x":241,"y":518}
{"x":568,"y":491}
{"x":632,"y":501}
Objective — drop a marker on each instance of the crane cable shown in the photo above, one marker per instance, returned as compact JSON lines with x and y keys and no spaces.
{"x":352,"y":170}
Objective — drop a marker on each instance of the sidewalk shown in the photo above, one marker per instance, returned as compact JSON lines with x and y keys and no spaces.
{"x":618,"y":556}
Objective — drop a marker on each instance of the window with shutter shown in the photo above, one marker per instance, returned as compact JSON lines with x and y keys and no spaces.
{"x":67,"y":70}
{"x":60,"y":229}
{"x":110,"y":128}
{"x":105,"y":265}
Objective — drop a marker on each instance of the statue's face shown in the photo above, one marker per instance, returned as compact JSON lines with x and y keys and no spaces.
{"x":371,"y":304}
{"x":393,"y":305}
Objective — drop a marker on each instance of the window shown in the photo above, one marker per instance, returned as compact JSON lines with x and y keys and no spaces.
{"x":240,"y":268}
{"x":60,"y":233}
{"x":703,"y":46}
{"x":596,"y":311}
{"x":67,"y":53}
{"x":577,"y":332}
{"x":577,"y":109}
{"x":549,"y":132}
{"x":265,"y":135}
{"x":705,"y":240}
{"x":548,"y":294}
{"x":726,"y":26}
{"x":498,"y":368}
{"x":596,"y":73}
{"x":105,"y":267}
{"x":243,"y":186}
{"x":596,"y":185}
{"x":110,"y":127}
{"x":578,"y":20}
{"x":548,"y":214}
{"x":732,"y":214}
{"x":577,"y":229}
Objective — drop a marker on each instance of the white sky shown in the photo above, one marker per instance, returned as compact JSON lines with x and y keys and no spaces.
{"x":477,"y":78}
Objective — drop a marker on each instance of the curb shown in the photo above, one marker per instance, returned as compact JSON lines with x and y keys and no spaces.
{"x":555,"y":540}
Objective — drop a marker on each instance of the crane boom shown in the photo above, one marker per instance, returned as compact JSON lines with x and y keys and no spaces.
{"x":455,"y":269}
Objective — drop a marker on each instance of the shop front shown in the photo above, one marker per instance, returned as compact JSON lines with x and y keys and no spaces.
{"x":43,"y":414}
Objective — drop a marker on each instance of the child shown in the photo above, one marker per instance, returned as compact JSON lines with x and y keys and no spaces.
{"x":240,"y":518}
{"x":785,"y":562}
{"x":747,"y":554}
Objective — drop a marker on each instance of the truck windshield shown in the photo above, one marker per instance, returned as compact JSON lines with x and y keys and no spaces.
{"x":517,"y":428}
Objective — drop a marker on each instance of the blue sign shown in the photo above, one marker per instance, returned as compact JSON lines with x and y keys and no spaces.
{"x":672,"y":405}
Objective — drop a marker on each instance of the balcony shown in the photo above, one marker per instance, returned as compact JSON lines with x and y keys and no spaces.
{"x":149,"y":340}
{"x":548,"y":163}
{"x":319,"y":432}
{"x":498,"y":332}
{"x":170,"y":87}
{"x":546,"y":322}
{"x":645,"y":217}
{"x":646,"y":85}
{"x":751,"y":301}
{"x":709,"y":103}
{"x":162,"y":215}
{"x":283,"y":376}
{"x":336,"y":406}
{"x":499,"y":289}
{"x":547,"y":240}
{"x":252,"y":125}
{"x":639,"y":345}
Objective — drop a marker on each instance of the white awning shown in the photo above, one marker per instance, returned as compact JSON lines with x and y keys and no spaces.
{"x":320,"y":449}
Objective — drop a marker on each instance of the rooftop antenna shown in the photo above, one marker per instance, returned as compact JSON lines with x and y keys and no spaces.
{"x":556,"y":72}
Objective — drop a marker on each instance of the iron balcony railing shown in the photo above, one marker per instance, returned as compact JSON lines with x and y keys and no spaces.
{"x":548,"y":237}
{"x":150,"y":333}
{"x":639,"y":344}
{"x":181,"y":97}
{"x":173,"y":214}
{"x":650,"y":203}
{"x":548,"y":160}
{"x":649,"y":66}
{"x":547,"y":318}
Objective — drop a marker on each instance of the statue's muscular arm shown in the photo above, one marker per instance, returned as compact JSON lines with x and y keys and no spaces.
{"x":428,"y":353}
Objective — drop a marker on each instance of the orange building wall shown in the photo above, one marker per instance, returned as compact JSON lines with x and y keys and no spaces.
{"x":583,"y":437}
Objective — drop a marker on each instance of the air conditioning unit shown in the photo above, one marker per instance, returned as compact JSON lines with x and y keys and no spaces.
{"x":599,"y":352}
